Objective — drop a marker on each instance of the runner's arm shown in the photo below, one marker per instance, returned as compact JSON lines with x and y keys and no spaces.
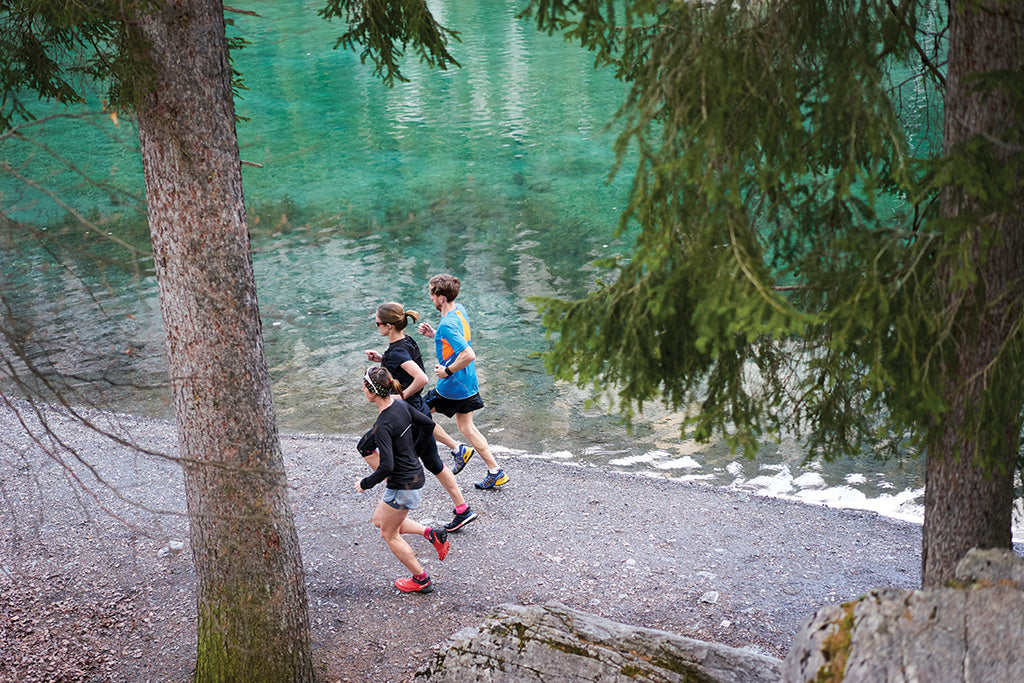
{"x":419,"y":378}
{"x":465,"y":357}
{"x":385,"y":464}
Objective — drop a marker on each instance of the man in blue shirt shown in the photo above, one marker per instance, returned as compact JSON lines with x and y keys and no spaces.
{"x":457,"y":392}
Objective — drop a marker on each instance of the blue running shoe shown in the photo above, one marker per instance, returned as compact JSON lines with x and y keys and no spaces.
{"x":493,"y":481}
{"x":461,"y":456}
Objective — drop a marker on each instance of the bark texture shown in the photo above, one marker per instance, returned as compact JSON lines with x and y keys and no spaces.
{"x":969,"y":481}
{"x":252,"y":611}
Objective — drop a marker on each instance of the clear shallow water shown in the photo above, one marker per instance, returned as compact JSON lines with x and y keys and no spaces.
{"x":495,"y":172}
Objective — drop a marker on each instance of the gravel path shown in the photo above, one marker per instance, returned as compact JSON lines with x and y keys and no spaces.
{"x":90,"y":591}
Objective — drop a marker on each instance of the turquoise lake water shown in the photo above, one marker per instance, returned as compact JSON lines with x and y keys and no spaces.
{"x":496,"y":172}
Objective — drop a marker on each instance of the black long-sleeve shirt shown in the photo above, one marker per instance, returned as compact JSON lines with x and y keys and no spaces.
{"x":398,"y":464}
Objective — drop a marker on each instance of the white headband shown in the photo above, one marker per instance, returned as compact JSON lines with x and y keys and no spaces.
{"x":373,"y":386}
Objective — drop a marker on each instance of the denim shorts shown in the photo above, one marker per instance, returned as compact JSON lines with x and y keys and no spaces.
{"x":402,"y":499}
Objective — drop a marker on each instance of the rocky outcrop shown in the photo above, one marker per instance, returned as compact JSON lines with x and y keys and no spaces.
{"x":555,"y":644}
{"x":971,"y":633}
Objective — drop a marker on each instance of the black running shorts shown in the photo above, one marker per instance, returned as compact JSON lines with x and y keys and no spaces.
{"x":453,"y":406}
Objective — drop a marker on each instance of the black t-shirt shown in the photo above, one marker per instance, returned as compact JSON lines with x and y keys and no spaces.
{"x":399,"y":464}
{"x":401,"y":351}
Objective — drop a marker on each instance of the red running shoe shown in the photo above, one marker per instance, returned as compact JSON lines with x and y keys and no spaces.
{"x":411,"y":585}
{"x":439,"y":537}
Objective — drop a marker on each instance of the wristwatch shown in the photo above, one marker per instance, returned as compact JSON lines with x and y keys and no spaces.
{"x":447,"y":371}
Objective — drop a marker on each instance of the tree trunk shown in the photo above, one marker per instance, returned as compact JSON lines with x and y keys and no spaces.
{"x":969,"y":479}
{"x":252,"y":611}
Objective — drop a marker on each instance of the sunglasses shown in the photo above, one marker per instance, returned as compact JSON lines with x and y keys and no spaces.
{"x":378,"y":323}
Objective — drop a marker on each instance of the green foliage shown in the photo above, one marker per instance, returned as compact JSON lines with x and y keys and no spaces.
{"x":54,"y":51}
{"x":50,"y":49}
{"x":385,"y":28}
{"x":785,"y":271}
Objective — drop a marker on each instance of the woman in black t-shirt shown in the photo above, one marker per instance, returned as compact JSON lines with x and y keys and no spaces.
{"x":395,"y":462}
{"x":403,"y":360}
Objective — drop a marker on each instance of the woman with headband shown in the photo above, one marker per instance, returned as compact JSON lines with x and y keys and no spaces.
{"x":395,"y":462}
{"x":403,"y":360}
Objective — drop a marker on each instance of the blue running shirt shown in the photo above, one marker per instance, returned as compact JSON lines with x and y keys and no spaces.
{"x":451,"y":339}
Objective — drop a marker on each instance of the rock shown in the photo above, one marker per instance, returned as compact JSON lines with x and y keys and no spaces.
{"x":173,"y":548}
{"x":997,"y":565}
{"x":711,"y":597}
{"x":555,"y":644}
{"x":970,"y":633}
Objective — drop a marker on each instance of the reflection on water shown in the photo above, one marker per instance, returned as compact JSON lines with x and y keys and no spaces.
{"x":496,"y":172}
